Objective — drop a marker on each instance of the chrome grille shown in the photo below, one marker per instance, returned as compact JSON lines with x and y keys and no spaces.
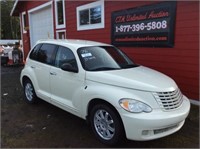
{"x":169,"y":100}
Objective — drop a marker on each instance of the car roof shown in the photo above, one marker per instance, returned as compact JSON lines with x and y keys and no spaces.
{"x":76,"y":43}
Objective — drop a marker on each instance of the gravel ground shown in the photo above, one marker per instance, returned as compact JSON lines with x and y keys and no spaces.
{"x":46,"y":126}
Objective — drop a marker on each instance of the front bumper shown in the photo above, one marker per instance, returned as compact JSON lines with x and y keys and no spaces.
{"x":157,"y":124}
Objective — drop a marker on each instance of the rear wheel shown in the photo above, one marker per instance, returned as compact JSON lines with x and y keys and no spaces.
{"x":106,"y":124}
{"x":29,"y":92}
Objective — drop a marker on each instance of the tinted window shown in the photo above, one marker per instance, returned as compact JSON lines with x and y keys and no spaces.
{"x":34,"y":52}
{"x":46,"y":52}
{"x":65,"y":55}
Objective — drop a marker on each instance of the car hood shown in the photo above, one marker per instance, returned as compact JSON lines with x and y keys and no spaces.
{"x":140,"y":78}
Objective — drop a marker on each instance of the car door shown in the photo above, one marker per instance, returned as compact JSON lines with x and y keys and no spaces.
{"x":66,"y":86}
{"x":40,"y":65}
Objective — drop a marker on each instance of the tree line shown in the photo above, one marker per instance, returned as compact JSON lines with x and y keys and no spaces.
{"x":10,"y":26}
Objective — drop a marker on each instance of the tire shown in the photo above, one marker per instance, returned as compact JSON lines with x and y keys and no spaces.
{"x":29,"y":92}
{"x":106,"y":125}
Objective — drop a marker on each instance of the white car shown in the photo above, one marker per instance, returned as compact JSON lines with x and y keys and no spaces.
{"x":99,"y":83}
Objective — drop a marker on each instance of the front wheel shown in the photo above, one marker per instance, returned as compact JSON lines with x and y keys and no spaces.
{"x":106,"y":124}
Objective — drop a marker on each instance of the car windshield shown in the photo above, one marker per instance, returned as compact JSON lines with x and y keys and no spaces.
{"x":101,"y":58}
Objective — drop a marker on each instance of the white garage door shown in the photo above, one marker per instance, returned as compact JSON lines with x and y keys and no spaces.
{"x":41,"y":25}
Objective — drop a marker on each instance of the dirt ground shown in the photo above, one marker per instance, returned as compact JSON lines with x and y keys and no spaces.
{"x":46,"y":126}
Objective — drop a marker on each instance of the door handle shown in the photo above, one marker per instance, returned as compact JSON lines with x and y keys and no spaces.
{"x":53,"y":73}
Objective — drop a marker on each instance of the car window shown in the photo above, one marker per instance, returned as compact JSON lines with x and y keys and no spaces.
{"x":100,"y":58}
{"x":34,"y":52}
{"x":65,"y":55}
{"x":46,"y":53}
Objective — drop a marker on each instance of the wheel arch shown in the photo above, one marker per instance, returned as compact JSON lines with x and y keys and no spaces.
{"x":24,"y":78}
{"x":96,"y":101}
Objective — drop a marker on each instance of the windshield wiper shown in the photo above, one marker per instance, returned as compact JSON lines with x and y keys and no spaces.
{"x":104,"y":68}
{"x":130,"y":66}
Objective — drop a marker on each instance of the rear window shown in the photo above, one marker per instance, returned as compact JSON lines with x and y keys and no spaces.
{"x":44,"y":53}
{"x":34,"y":52}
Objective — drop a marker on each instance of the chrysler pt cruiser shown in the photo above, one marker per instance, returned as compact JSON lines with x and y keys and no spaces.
{"x":101,"y":84}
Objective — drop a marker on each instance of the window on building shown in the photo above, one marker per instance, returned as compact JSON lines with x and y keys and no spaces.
{"x":61,"y":34}
{"x":60,"y":13}
{"x":90,"y":16}
{"x":95,"y":15}
{"x":24,"y":22}
{"x":84,"y":17}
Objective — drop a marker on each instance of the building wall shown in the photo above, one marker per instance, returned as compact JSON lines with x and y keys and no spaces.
{"x":180,"y":62}
{"x":26,"y":6}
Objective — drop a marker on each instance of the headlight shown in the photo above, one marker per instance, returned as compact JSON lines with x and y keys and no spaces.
{"x":134,"y":106}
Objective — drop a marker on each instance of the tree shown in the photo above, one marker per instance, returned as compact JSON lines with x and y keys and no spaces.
{"x":10,"y":26}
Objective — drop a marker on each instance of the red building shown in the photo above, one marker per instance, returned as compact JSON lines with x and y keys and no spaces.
{"x":160,"y":35}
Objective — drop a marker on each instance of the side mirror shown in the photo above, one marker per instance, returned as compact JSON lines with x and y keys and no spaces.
{"x":68,"y":67}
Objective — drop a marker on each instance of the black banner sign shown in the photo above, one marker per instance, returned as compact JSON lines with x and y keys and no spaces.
{"x":146,"y":26}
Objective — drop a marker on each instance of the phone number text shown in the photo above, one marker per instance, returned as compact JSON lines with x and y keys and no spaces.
{"x":142,"y":26}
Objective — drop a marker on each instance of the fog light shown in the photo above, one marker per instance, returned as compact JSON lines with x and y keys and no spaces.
{"x":145,"y":132}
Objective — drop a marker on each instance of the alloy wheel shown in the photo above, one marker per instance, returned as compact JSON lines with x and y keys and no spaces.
{"x":104,"y":124}
{"x":29,"y":91}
